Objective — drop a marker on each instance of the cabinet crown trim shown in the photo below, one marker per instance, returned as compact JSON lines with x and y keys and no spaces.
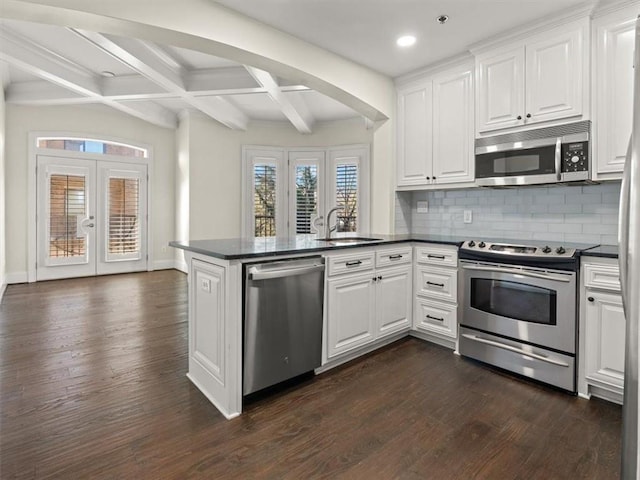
{"x":523,"y":33}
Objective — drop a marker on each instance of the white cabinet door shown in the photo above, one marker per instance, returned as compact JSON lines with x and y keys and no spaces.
{"x":613,"y":90}
{"x":393,"y":300}
{"x":500,"y":90}
{"x":414,"y":135}
{"x":554,"y":69}
{"x":350,"y":314}
{"x":453,"y":153}
{"x":605,"y":335}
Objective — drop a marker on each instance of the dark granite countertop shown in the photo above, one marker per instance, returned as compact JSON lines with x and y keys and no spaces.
{"x":243,"y":248}
{"x":607,"y":251}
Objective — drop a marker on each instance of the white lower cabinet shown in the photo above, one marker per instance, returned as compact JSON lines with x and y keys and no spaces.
{"x":350,"y":313}
{"x":435,"y":307}
{"x":393,"y":300}
{"x":434,"y":316}
{"x":368,"y":305}
{"x":603,"y":325}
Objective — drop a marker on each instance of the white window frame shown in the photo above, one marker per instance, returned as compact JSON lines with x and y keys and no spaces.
{"x":287,"y":158}
{"x":257,"y":155}
{"x":34,"y":151}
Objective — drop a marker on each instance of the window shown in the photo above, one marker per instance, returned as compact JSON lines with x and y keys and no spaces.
{"x":67,"y":206}
{"x":280,"y":201}
{"x":92,"y":146}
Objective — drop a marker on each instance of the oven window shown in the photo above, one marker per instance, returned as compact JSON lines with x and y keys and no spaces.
{"x":515,"y":163}
{"x":518,"y":301}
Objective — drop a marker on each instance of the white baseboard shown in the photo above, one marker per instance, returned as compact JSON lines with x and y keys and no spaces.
{"x":3,"y":287}
{"x":16,"y":277}
{"x":164,"y":264}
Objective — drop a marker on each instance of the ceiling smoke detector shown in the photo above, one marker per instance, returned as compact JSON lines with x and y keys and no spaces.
{"x":442,"y":19}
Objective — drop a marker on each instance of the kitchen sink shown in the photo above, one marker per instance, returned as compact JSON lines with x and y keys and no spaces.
{"x":347,"y":240}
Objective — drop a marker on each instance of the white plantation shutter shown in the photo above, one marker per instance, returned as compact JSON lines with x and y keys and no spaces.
{"x":264,"y":200}
{"x":306,"y":190}
{"x":67,"y":206}
{"x":349,"y":187}
{"x":347,"y":197}
{"x":124,"y":217}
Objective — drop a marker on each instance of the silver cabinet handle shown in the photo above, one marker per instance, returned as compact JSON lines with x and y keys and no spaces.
{"x":544,"y":276}
{"x":504,"y":346}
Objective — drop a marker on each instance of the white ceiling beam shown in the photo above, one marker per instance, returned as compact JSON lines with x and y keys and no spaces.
{"x":151,"y":63}
{"x":297,"y":114}
{"x":33,"y":58}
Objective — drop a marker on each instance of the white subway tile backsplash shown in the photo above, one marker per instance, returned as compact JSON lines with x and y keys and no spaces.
{"x":583,"y":214}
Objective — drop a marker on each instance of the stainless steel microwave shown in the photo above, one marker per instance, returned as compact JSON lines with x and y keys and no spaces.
{"x":557,"y":154}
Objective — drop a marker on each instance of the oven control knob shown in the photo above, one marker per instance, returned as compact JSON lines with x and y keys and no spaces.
{"x":482,"y":245}
{"x":472,"y":243}
{"x":546,"y":249}
{"x":560,"y":250}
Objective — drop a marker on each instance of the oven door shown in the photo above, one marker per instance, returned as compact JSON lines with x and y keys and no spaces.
{"x":535,"y":306}
{"x":529,"y":162}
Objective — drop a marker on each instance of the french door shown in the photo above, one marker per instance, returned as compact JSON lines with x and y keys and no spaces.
{"x":91,"y":217}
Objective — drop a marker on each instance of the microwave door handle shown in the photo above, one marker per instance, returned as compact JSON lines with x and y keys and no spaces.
{"x":515,"y":271}
{"x":559,"y":158}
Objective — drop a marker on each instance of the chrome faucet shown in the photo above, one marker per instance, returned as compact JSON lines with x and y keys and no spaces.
{"x":327,"y":226}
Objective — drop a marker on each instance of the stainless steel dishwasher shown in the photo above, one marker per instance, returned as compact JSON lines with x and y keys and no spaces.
{"x":282,"y":321}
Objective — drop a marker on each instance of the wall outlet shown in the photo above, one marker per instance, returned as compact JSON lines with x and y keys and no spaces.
{"x":423,"y":206}
{"x":468,"y":216}
{"x":164,"y":249}
{"x":205,"y":284}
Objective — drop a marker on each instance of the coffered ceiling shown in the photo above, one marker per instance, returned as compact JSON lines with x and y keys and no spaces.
{"x":52,"y":65}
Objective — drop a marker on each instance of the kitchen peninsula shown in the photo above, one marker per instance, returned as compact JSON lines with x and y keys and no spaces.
{"x":215,"y":280}
{"x":378,"y":288}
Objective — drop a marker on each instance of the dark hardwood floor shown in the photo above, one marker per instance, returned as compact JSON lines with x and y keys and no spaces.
{"x":93,"y":385}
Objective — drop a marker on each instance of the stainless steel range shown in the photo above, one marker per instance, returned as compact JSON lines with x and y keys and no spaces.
{"x":519,"y":308}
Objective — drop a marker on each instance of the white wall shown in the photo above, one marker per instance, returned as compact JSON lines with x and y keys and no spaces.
{"x":215,"y":166}
{"x":98,"y":121}
{"x":3,"y":228}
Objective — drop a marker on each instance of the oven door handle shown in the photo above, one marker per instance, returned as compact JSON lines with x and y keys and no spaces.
{"x":537,"y":356}
{"x":519,"y":272}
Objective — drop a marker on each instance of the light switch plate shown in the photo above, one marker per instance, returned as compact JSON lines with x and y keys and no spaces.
{"x":468,"y":216}
{"x":423,"y":206}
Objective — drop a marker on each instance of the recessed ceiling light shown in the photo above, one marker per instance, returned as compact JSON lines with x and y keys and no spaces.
{"x":406,"y":41}
{"x":107,"y":73}
{"x":442,"y":19}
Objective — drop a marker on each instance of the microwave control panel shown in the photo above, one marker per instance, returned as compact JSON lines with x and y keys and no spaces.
{"x":575,"y":157}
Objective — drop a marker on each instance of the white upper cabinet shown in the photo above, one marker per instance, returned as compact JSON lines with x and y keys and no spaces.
{"x":540,"y":79}
{"x":612,"y":90}
{"x":453,"y":153}
{"x":435,"y":129}
{"x":501,"y":90}
{"x":414,"y":142}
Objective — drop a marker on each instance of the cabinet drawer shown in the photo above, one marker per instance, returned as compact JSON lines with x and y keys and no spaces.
{"x":350,"y":263}
{"x":437,"y":283}
{"x":435,"y":317}
{"x":606,"y":277}
{"x":440,"y":255}
{"x":389,"y":257}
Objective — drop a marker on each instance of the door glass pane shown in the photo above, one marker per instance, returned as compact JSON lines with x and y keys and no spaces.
{"x":67,"y":208}
{"x":347,"y":197}
{"x":306,"y":196}
{"x":514,"y":300}
{"x":124,"y":221}
{"x":264,"y":200}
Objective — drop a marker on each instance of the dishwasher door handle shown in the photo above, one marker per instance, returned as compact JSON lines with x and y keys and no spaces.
{"x":257,"y":274}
